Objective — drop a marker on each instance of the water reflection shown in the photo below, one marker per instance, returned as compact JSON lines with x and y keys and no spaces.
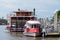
{"x":6,"y":35}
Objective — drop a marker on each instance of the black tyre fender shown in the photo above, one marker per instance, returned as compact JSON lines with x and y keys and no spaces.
{"x":43,"y":34}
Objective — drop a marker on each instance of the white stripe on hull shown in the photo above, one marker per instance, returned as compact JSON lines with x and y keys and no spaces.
{"x":32,"y":34}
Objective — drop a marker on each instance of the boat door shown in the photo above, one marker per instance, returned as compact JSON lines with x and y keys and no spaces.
{"x":13,"y":24}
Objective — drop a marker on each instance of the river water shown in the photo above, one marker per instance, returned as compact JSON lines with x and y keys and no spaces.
{"x":6,"y":35}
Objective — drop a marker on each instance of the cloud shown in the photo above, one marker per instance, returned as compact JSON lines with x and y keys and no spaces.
{"x":42,"y":6}
{"x":9,"y":1}
{"x":38,"y":4}
{"x":42,"y":11}
{"x":52,"y":2}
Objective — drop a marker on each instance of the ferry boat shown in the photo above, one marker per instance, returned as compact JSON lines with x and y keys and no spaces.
{"x":32,"y":28}
{"x":19,"y":18}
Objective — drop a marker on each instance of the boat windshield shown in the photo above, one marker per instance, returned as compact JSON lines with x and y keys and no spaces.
{"x":35,"y":25}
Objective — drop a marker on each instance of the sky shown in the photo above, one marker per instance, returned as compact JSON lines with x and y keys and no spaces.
{"x":44,"y":8}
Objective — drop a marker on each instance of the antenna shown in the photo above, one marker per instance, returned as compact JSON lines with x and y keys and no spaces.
{"x":34,"y":11}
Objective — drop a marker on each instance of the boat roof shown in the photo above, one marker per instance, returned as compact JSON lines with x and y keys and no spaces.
{"x":33,"y":22}
{"x":22,"y":16}
{"x":22,"y":11}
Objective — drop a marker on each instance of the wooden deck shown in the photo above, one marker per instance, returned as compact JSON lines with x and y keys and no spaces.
{"x":57,"y":33}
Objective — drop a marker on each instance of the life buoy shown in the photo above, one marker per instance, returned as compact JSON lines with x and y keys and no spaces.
{"x":8,"y":27}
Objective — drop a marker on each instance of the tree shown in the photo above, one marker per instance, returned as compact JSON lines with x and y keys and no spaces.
{"x":58,"y":14}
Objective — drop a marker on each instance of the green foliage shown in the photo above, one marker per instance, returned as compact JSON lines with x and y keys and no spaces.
{"x":58,"y":14}
{"x":3,"y":21}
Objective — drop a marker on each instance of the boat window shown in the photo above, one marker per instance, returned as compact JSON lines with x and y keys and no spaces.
{"x":35,"y":26}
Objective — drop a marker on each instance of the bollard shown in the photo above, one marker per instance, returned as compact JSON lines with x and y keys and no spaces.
{"x":43,"y":34}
